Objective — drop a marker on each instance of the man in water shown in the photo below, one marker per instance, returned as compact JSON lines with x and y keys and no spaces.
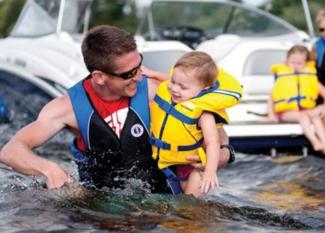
{"x":108,"y":113}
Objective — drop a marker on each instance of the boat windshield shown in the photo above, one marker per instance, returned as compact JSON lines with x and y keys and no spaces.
{"x":42,"y":17}
{"x":168,"y":19}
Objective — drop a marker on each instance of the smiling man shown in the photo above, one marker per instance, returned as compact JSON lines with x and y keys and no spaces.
{"x":108,"y":113}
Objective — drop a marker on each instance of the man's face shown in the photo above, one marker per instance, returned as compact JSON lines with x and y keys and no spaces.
{"x":321,"y":28}
{"x":123,"y":80}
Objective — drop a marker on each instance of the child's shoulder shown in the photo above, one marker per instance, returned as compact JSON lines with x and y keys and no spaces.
{"x":276,"y":68}
{"x":311,"y":64}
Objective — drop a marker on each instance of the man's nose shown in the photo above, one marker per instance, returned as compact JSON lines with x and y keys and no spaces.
{"x":138,"y":76}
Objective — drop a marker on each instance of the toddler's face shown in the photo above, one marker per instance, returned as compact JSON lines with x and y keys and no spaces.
{"x":184,"y":85}
{"x":297,"y":61}
{"x":321,"y":28}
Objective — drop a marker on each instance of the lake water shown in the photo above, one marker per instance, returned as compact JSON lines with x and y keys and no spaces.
{"x":257,"y":194}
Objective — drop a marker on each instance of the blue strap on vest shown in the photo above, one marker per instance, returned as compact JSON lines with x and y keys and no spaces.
{"x":140,"y":103}
{"x":292,"y":99}
{"x":215,"y":89}
{"x":209,"y":90}
{"x":82,"y":109}
{"x":172,"y":181}
{"x":297,"y":98}
{"x":169,"y":109}
{"x":166,"y":146}
{"x":320,"y":49}
{"x":295,"y":73}
{"x":77,"y":154}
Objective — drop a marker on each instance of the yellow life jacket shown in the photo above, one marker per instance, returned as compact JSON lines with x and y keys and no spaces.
{"x":294,"y":90}
{"x":174,"y":127}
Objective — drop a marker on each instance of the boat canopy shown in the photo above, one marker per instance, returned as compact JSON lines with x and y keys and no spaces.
{"x":43,"y":17}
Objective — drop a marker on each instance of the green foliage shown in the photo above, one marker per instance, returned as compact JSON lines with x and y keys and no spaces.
{"x":9,"y":12}
{"x":292,"y":11}
{"x":114,"y":12}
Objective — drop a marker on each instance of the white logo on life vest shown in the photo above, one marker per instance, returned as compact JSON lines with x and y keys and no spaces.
{"x":137,"y":130}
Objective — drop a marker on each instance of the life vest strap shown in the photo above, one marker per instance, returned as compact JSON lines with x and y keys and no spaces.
{"x":320,"y":48}
{"x":77,"y":154}
{"x":292,"y":99}
{"x":295,"y":73}
{"x":166,"y":146}
{"x":172,"y":181}
{"x":169,"y":109}
{"x":234,"y":94}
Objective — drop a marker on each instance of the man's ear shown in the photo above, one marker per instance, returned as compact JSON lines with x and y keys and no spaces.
{"x":98,"y":77}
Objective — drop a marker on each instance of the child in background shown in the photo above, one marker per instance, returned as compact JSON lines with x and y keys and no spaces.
{"x":294,"y":95}
{"x":184,"y":116}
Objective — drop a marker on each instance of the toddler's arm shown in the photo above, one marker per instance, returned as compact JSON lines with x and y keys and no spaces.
{"x":212,"y":142}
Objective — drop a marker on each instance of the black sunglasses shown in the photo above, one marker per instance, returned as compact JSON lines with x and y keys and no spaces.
{"x":128,"y":74}
{"x":321,"y":29}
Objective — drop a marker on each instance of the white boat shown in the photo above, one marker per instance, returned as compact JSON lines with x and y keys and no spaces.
{"x":245,"y":41}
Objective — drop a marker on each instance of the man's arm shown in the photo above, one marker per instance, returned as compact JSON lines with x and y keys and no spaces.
{"x":321,"y":88}
{"x":224,"y":151}
{"x":313,"y":53}
{"x":155,"y":78}
{"x":18,"y":154}
{"x":159,"y":76}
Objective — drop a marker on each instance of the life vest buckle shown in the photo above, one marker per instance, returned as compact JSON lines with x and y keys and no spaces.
{"x":173,"y":147}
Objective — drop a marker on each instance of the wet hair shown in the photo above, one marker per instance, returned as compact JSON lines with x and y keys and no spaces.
{"x":320,"y":16}
{"x":103,"y":44}
{"x":301,"y":49}
{"x":203,"y":64}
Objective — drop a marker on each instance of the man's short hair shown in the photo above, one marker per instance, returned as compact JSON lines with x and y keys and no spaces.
{"x":103,"y":44}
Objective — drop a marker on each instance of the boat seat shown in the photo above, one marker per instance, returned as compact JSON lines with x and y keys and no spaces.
{"x":258,"y":78}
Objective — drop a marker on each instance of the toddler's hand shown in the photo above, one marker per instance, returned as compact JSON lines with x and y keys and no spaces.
{"x":209,"y":181}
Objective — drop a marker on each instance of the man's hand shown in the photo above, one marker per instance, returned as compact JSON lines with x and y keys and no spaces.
{"x":56,"y":177}
{"x":195,"y":161}
{"x":159,"y":76}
